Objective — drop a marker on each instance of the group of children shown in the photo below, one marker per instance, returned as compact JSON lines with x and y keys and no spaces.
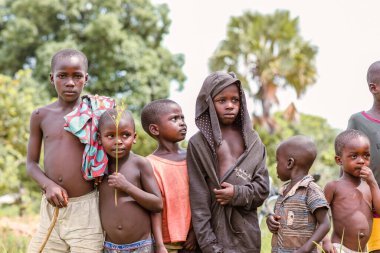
{"x":203,"y":199}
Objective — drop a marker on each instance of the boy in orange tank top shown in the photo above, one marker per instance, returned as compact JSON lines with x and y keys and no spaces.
{"x":164,"y":121}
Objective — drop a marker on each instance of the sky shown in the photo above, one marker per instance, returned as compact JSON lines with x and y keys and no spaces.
{"x":346,"y":32}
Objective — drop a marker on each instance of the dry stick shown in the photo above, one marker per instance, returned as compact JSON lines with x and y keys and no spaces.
{"x":117,"y":154}
{"x":55,"y":216}
{"x":116,"y":120}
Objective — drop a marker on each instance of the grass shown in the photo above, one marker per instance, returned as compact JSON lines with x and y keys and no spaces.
{"x":16,"y":231}
{"x":11,"y":242}
{"x":266,"y":238}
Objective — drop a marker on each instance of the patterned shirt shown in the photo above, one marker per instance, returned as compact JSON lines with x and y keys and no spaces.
{"x":296,"y":208}
{"x":83,"y":123}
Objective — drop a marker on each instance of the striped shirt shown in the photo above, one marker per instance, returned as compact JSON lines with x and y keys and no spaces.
{"x":296,"y":208}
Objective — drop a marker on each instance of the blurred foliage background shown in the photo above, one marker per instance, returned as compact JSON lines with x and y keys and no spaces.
{"x":123,"y":40}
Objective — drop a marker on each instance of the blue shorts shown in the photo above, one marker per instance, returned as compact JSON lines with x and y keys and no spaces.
{"x":144,"y":246}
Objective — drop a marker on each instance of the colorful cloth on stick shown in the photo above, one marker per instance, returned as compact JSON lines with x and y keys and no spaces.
{"x":83,"y":123}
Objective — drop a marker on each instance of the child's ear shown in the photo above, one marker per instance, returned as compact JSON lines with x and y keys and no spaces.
{"x":51,"y":77}
{"x":134,"y":138}
{"x":154,"y":129}
{"x":373,"y":88}
{"x":290,"y":163}
{"x":86,"y":79}
{"x":338,"y":160}
{"x":98,"y":137}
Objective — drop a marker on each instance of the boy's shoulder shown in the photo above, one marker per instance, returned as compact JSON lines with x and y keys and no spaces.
{"x":197,"y":139}
{"x":43,"y":110}
{"x":357,"y":116}
{"x":338,"y":186}
{"x":137,"y":160}
{"x":332,"y":184}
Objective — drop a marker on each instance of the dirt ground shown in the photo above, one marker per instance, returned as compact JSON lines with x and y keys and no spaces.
{"x":24,"y":226}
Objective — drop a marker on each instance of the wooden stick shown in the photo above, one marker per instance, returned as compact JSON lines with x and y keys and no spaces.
{"x":55,"y":216}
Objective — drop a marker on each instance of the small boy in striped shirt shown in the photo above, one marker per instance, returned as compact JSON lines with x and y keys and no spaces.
{"x":301,"y":212}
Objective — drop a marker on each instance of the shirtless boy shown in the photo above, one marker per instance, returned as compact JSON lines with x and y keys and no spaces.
{"x":353,"y":195}
{"x":227,"y":171}
{"x":126,"y":225}
{"x":369,"y":123}
{"x":79,"y":228}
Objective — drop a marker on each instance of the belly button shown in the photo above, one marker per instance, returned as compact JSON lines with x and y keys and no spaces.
{"x":119,"y":227}
{"x":361,"y":234}
{"x":60,"y":179}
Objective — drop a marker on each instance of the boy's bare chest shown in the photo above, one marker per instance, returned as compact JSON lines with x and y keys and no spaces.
{"x":231,"y":147}
{"x":130,"y":172}
{"x":53,"y":126}
{"x":351,"y":198}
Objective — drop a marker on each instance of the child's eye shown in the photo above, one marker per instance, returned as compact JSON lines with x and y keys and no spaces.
{"x":61,"y":76}
{"x":126,"y":135}
{"x":78,"y":76}
{"x":354,"y":156}
{"x":235,"y":100}
{"x":367,"y":156}
{"x":110,"y":136}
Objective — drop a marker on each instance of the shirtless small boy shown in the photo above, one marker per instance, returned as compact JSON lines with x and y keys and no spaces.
{"x":127,"y":226}
{"x":300,"y":215}
{"x":164,"y":121}
{"x":353,"y":195}
{"x":227,"y":170}
{"x":369,"y":123}
{"x":79,"y":228}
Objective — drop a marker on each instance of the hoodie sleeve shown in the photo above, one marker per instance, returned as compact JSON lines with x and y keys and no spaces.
{"x":200,"y":200}
{"x":252,"y":195}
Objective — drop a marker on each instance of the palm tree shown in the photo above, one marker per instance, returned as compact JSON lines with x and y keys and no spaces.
{"x":266,"y":52}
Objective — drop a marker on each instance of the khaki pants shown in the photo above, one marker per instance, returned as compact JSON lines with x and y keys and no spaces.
{"x":173,"y":247}
{"x":345,"y":250}
{"x":78,"y":227}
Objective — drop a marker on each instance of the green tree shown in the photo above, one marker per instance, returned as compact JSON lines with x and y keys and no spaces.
{"x":121,"y":38}
{"x":316,"y":128}
{"x":267,"y":53}
{"x":18,"y":98}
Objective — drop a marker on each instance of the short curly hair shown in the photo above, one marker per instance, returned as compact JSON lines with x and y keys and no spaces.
{"x":69,"y":52}
{"x":152,"y":112}
{"x":344,"y":137}
{"x":111,"y":114}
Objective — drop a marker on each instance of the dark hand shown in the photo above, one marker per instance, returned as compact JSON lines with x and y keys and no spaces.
{"x":273,"y":223}
{"x":56,"y":195}
{"x":191,"y":241}
{"x":161,"y":249}
{"x":118,"y":181}
{"x":328,"y":247}
{"x":367,"y":175}
{"x":224,"y":195}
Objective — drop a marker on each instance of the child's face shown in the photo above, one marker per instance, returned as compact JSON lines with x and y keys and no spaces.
{"x":227,"y":104}
{"x":69,"y":77}
{"x":172,"y":126}
{"x":355,"y":155}
{"x":283,"y":172}
{"x":126,"y":137}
